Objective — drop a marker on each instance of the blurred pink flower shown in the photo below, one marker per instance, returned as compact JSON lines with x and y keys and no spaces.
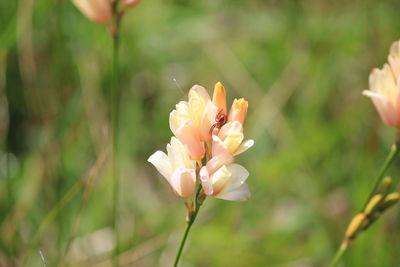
{"x":176,"y":167}
{"x":130,"y":3}
{"x":385,"y":88}
{"x":98,"y":11}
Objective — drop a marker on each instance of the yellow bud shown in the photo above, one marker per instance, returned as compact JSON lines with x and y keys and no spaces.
{"x":355,"y":225}
{"x":385,"y":185}
{"x":373,"y":204}
{"x":390,"y":200}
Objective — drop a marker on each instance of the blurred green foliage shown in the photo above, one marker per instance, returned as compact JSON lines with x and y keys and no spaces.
{"x":301,"y":64}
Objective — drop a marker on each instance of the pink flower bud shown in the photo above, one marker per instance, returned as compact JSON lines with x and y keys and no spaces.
{"x":238,"y":110}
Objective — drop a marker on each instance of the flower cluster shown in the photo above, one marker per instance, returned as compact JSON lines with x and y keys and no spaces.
{"x":385,"y":88}
{"x":100,"y":11}
{"x":206,"y":132}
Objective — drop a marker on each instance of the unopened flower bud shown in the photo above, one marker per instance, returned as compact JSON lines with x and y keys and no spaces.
{"x":238,"y":110}
{"x":390,"y":200}
{"x":385,"y":185}
{"x":219,"y":97}
{"x":373,"y":204}
{"x":355,"y":226}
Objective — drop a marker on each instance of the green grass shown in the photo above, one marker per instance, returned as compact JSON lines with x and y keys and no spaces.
{"x":301,"y":64}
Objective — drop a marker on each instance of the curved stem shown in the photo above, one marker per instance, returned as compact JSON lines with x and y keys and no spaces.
{"x":394,"y":150}
{"x":191,"y":219}
{"x":339,"y":254}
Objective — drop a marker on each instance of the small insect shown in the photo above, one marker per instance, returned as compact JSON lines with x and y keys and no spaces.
{"x":220,"y":120}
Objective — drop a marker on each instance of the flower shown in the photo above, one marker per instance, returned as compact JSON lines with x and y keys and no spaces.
{"x":385,"y":88}
{"x":195,"y":123}
{"x":130,"y":3}
{"x":176,"y":167}
{"x":230,"y":140}
{"x":98,"y":11}
{"x":227,"y":182}
{"x":191,"y":121}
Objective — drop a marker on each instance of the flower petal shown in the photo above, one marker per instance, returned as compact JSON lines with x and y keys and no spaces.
{"x":383,"y":106}
{"x":238,"y":176}
{"x":178,"y":155}
{"x":98,"y":11}
{"x":205,"y":181}
{"x":183,"y":181}
{"x":241,"y":193}
{"x":160,"y":160}
{"x":207,"y":121}
{"x":218,"y":147}
{"x":218,"y":161}
{"x":244,"y":146}
{"x":189,"y":136}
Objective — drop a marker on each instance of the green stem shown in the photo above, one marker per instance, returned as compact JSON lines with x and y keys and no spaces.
{"x":191,"y":219}
{"x":394,"y":150}
{"x":115,"y":124}
{"x":339,"y":254}
{"x":388,"y":161}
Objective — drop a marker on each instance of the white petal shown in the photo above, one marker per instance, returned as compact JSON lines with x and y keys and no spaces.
{"x":244,"y":146}
{"x":160,"y":160}
{"x":178,"y":155}
{"x":241,"y":193}
{"x":220,"y":179}
{"x":199,"y":90}
{"x":183,"y":181}
{"x":205,"y":181}
{"x":238,"y":176}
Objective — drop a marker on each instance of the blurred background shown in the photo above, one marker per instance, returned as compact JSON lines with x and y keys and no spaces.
{"x":301,"y":65}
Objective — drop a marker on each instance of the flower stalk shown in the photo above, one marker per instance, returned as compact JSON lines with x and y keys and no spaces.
{"x":199,"y":199}
{"x":376,"y":203}
{"x":114,"y":103}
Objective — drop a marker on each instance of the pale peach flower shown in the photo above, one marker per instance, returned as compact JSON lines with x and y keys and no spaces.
{"x":394,"y":59}
{"x":191,"y":121}
{"x":176,"y":167}
{"x":230,"y":140}
{"x":98,"y":11}
{"x":227,"y":182}
{"x":385,"y":88}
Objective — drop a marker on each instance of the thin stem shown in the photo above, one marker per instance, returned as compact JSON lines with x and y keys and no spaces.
{"x":394,"y":150}
{"x":339,"y":254}
{"x":388,"y":161}
{"x":114,"y":99}
{"x":191,"y":219}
